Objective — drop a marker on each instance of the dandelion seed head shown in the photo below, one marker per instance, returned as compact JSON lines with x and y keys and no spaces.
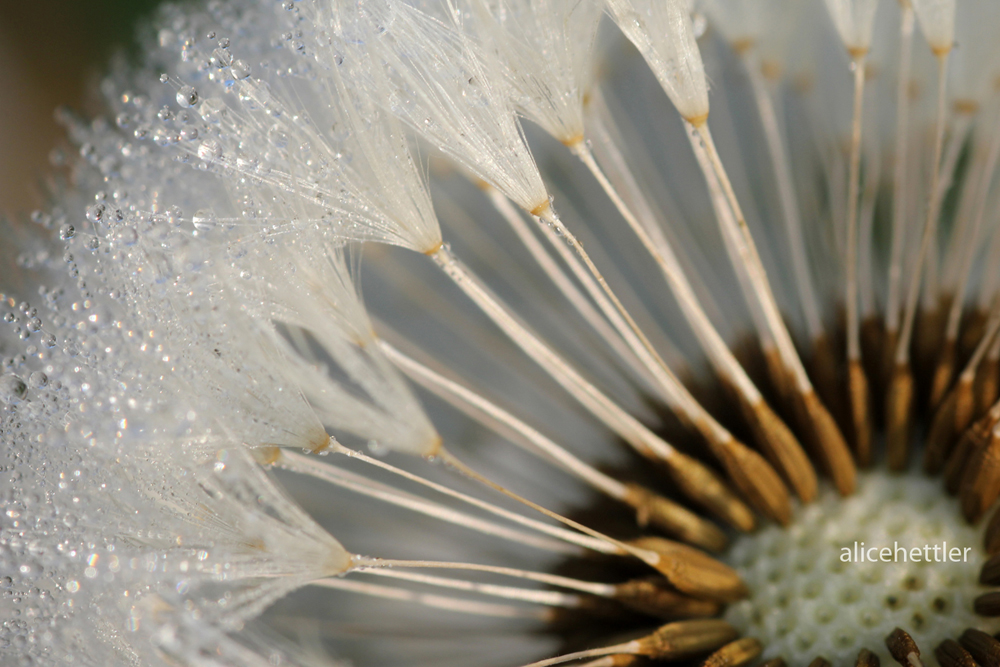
{"x":184,"y":336}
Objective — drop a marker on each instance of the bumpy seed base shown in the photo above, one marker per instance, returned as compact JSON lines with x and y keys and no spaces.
{"x":806,"y":601}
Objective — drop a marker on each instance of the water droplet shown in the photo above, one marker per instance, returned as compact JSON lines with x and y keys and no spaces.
{"x":164,"y":137}
{"x":48,"y":340}
{"x":277,"y":137}
{"x":187,"y":96}
{"x":37,"y":380}
{"x":95,"y":213}
{"x":221,"y":58}
{"x":127,"y":236}
{"x":210,"y":150}
{"x":240,"y":69}
{"x":66,"y":232}
{"x":212,"y":110}
{"x":12,"y":389}
{"x":203,"y":220}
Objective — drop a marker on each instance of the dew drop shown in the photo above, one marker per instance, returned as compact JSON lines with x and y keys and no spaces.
{"x":277,"y":137}
{"x":212,"y":110}
{"x":187,"y":96}
{"x":95,"y":213}
{"x":221,"y":58}
{"x":66,"y":232}
{"x":210,"y":150}
{"x":240,"y":69}
{"x":37,"y":380}
{"x":12,"y":389}
{"x":127,"y":236}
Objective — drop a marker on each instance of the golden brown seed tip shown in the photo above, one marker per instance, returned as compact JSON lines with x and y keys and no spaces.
{"x":694,"y":572}
{"x":902,"y":648}
{"x":686,"y":639}
{"x":776,"y":371}
{"x":866,"y":659}
{"x":965,"y":404}
{"x":987,"y":386}
{"x":984,"y":649}
{"x":965,"y":106}
{"x":861,"y":418}
{"x":950,"y":653}
{"x":625,"y":660}
{"x":987,"y":604}
{"x":820,"y":661}
{"x":735,"y":654}
{"x":828,"y":441}
{"x":943,"y":373}
{"x":705,"y":488}
{"x":650,"y":596}
{"x":756,"y":480}
{"x":673,"y":518}
{"x":980,"y":483}
{"x":898,"y":409}
{"x":973,"y":439}
{"x":266,"y":455}
{"x":781,"y":448}
{"x":771,"y":69}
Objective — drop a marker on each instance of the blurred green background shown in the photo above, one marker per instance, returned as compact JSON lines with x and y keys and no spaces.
{"x":51,"y":53}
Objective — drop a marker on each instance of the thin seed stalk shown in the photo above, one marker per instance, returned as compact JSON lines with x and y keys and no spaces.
{"x":857,"y":381}
{"x":899,"y":402}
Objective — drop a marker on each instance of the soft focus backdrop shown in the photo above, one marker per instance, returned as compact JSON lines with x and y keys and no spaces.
{"x":50,"y":52}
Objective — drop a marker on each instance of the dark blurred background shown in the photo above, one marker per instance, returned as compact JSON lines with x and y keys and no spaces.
{"x":51,"y":53}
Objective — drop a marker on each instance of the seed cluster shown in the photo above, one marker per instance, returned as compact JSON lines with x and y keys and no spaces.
{"x":805,"y":600}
